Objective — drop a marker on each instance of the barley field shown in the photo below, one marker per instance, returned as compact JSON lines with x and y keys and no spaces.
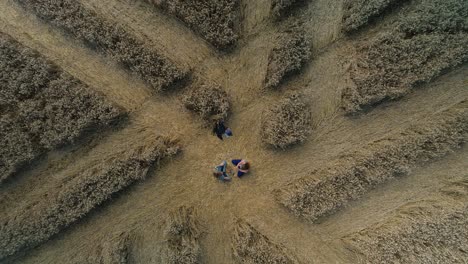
{"x":352,"y":114}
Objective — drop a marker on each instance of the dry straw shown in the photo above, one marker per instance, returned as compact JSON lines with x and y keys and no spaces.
{"x":207,"y":101}
{"x":42,"y":107}
{"x":289,"y":55}
{"x":287,"y":123}
{"x":78,"y":195}
{"x":426,"y":42}
{"x":214,"y":20}
{"x":418,"y":234}
{"x":251,"y":247}
{"x":329,"y":189}
{"x":108,"y":38}
{"x":358,"y":13}
{"x":182,"y":234}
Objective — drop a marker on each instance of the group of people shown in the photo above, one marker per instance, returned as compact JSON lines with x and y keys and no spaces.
{"x":221,"y":171}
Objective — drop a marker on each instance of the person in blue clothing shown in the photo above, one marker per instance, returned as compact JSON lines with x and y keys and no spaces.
{"x":220,"y":172}
{"x":242,"y":166}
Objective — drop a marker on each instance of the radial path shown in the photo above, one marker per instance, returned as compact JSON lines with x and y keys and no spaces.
{"x":186,"y":179}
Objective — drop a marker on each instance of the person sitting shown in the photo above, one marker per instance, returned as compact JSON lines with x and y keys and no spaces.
{"x":242,"y":166}
{"x":220,"y":172}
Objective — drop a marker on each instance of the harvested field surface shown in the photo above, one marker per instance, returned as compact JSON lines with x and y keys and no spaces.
{"x":310,"y":106}
{"x":250,"y":246}
{"x":182,"y":234}
{"x":79,"y":195}
{"x":287,"y":58}
{"x":358,"y":172}
{"x":418,"y":234}
{"x":42,"y":107}
{"x":429,"y":40}
{"x":108,"y":38}
{"x":214,"y":20}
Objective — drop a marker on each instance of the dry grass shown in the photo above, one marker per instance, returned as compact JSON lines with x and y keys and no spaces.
{"x":182,"y":234}
{"x":391,"y":66}
{"x":287,"y":123}
{"x":214,"y":20}
{"x":331,"y":188}
{"x":358,"y":13}
{"x":108,"y":38}
{"x":428,"y":41}
{"x":42,"y":107}
{"x":416,"y":235}
{"x":79,"y":194}
{"x":287,"y":58}
{"x":251,"y":247}
{"x":207,"y":100}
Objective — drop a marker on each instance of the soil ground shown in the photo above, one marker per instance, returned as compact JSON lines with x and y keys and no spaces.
{"x":186,"y":180}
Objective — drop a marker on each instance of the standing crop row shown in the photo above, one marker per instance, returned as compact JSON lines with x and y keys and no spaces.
{"x":215,"y":20}
{"x":42,"y":107}
{"x":427,"y":41}
{"x":287,"y":123}
{"x":182,"y":234}
{"x":288,"y":57}
{"x":37,"y":221}
{"x":108,"y":38}
{"x":417,"y":234}
{"x":251,"y":246}
{"x":358,"y":13}
{"x":331,"y":188}
{"x":207,"y":100}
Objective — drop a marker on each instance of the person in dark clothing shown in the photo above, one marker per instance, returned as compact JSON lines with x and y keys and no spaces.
{"x":242,"y":166}
{"x":219,"y":129}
